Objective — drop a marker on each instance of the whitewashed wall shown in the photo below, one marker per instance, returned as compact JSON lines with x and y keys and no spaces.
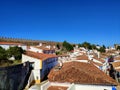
{"x":48,"y":84}
{"x":76,"y":86}
{"x":24,"y":47}
{"x":31,"y":59}
{"x":5,"y":46}
{"x":91,"y":87}
{"x":97,"y":61}
{"x":36,"y":74}
{"x":35,"y":49}
{"x":31,"y":78}
{"x":85,"y":61}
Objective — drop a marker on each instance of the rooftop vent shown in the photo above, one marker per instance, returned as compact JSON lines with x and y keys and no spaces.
{"x":59,"y":66}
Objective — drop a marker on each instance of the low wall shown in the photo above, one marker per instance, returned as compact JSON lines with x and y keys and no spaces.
{"x":14,"y":77}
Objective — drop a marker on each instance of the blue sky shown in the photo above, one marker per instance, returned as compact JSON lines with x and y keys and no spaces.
{"x":95,"y":21}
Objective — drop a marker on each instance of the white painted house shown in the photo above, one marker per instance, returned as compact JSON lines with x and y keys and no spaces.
{"x":7,"y":45}
{"x":43,"y":63}
{"x":79,"y":76}
{"x":64,"y":58}
{"x":42,"y":49}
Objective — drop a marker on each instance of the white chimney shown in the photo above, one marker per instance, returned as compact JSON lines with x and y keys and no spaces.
{"x":54,"y":47}
{"x":40,"y":44}
{"x":60,"y":62}
{"x":98,"y":54}
{"x":49,"y":46}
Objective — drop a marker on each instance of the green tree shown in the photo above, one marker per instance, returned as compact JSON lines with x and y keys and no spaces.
{"x":58,"y":46}
{"x":16,"y":52}
{"x":93,"y":46}
{"x":86,"y":45}
{"x":104,"y":46}
{"x":102,"y":49}
{"x":3,"y":55}
{"x":118,"y":47}
{"x":67,"y":46}
{"x":79,"y":45}
{"x":73,"y":45}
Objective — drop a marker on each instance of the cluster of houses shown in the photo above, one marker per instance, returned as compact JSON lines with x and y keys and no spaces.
{"x":81,"y":69}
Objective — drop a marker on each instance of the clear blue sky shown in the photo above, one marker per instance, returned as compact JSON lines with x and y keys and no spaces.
{"x":95,"y":21}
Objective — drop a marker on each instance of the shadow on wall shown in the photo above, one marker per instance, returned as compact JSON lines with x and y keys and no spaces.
{"x":14,"y":77}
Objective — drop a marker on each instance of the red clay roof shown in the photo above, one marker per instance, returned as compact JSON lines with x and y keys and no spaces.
{"x":103,"y":56}
{"x":41,"y":56}
{"x":57,"y":88}
{"x":63,"y":55}
{"x":10,"y":43}
{"x":116,"y":64}
{"x":117,"y":58}
{"x":82,"y":57}
{"x":80,"y":73}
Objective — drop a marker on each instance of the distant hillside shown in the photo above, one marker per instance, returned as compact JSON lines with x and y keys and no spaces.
{"x":27,"y":41}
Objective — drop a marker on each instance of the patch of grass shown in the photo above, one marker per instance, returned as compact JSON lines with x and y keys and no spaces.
{"x":5,"y":63}
{"x":17,"y":62}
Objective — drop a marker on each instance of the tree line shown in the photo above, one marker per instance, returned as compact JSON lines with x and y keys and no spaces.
{"x":15,"y":52}
{"x":66,"y":46}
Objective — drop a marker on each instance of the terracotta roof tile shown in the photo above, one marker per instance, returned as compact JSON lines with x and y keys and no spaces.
{"x":10,"y":43}
{"x":116,"y":64}
{"x":41,"y":56}
{"x":117,"y":58}
{"x":82,"y":57}
{"x":80,"y":73}
{"x":63,"y":55}
{"x":57,"y":88}
{"x":104,"y":56}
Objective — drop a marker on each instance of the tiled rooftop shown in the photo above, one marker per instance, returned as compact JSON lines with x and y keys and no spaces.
{"x":80,"y":73}
{"x":116,"y":64}
{"x":117,"y":58}
{"x":63,"y":55}
{"x":82,"y":57}
{"x":10,"y":43}
{"x":41,"y":56}
{"x":57,"y":88}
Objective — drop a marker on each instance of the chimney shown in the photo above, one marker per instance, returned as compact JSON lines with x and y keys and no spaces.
{"x":61,"y":64}
{"x":49,"y":46}
{"x":98,"y":54}
{"x":40,"y":44}
{"x":54,"y":47}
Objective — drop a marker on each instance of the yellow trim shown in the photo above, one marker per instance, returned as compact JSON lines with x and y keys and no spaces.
{"x":40,"y":64}
{"x":37,"y":81}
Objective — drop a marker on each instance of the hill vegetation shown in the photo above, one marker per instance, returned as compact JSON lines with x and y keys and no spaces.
{"x":27,"y":41}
